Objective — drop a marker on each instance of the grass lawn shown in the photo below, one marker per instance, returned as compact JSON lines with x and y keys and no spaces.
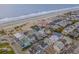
{"x":6,"y":45}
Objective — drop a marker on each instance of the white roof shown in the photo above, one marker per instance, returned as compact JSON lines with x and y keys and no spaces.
{"x":18,"y":35}
{"x":54,"y":38}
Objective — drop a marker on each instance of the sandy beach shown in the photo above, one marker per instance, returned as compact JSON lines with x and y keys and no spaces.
{"x":33,"y":20}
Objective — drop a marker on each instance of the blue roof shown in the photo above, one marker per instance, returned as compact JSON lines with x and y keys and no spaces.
{"x":58,"y":34}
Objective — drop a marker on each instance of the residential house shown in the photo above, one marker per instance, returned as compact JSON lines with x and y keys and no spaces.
{"x":64,"y":23}
{"x":55,"y":37}
{"x":67,"y":39}
{"x":58,"y":45}
{"x":36,"y":49}
{"x":22,"y":40}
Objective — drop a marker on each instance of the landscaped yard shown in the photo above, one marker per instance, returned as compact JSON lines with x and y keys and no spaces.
{"x":6,"y":49}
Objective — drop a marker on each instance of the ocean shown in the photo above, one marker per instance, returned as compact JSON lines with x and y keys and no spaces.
{"x":15,"y":10}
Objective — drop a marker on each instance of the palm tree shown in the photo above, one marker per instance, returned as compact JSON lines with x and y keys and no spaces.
{"x":18,"y":28}
{"x":2,"y":32}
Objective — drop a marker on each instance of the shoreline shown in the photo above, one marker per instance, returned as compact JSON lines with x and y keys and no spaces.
{"x":40,"y":16}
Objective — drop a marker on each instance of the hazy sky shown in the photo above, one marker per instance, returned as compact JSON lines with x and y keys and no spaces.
{"x":21,"y":9}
